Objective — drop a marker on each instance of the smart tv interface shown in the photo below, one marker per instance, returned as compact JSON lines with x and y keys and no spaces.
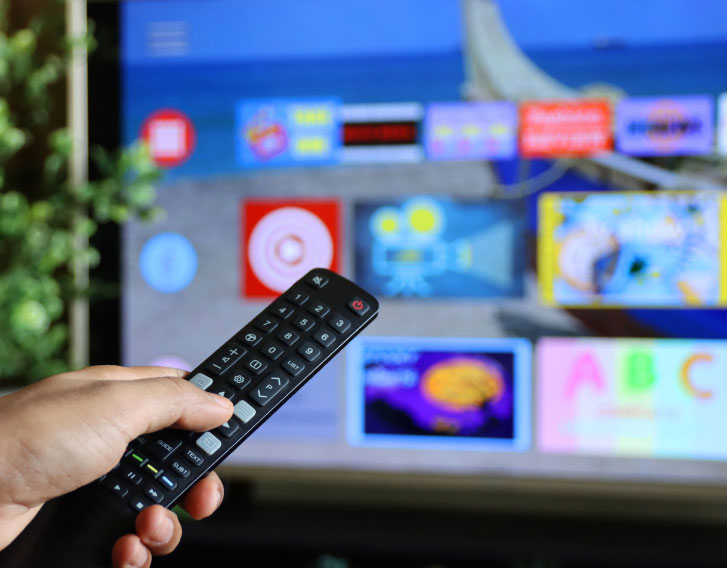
{"x":548,"y":309}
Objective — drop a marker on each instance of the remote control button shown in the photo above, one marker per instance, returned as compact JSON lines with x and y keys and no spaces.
{"x":152,"y":470}
{"x":225,"y":358}
{"x":154,"y":494}
{"x":283,"y":311}
{"x":316,"y":280}
{"x":228,"y":429}
{"x":309,"y":351}
{"x":288,"y":336}
{"x":267,"y":389}
{"x":339,"y":323}
{"x":294,"y":366}
{"x":229,"y":394}
{"x":131,"y":476}
{"x":325,"y":338}
{"x":162,"y":449}
{"x":118,"y":489}
{"x":167,"y":482}
{"x":209,"y":443}
{"x":250,"y":337}
{"x":138,"y":459}
{"x":239,"y":380}
{"x":244,"y":411}
{"x":138,"y":504}
{"x":201,"y":381}
{"x":193,"y":457}
{"x":298,"y":297}
{"x":358,"y":306}
{"x":256,"y":365}
{"x":319,"y":309}
{"x":179,"y":469}
{"x":140,"y":440}
{"x":304,"y":323}
{"x":266,"y":324}
{"x":272,"y":350}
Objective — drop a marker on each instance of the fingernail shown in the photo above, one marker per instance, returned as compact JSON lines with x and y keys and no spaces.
{"x":165,"y":532}
{"x":139,"y":557}
{"x":221,"y":400}
{"x":219,"y":498}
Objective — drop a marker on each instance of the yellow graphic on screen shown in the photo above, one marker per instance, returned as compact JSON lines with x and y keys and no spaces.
{"x":463,"y":384}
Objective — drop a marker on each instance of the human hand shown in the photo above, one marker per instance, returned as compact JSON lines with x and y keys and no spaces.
{"x":96,"y":412}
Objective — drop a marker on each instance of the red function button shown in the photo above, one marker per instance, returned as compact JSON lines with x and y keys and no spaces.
{"x":358,"y":306}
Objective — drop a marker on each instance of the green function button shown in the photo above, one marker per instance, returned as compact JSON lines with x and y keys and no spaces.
{"x":140,"y":460}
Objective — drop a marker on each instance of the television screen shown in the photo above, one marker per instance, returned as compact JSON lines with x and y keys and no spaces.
{"x":533,"y":195}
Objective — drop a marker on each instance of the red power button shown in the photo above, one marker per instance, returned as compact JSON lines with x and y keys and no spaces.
{"x":358,"y":306}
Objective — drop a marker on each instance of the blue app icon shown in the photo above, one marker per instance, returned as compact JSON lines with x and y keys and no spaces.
{"x":168,"y":262}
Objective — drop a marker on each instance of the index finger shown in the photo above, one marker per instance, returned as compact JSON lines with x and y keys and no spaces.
{"x":119,"y":373}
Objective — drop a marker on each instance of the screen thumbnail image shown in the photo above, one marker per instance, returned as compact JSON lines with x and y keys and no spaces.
{"x":445,"y":392}
{"x":650,"y":398}
{"x":439,"y":247}
{"x":651,"y":249}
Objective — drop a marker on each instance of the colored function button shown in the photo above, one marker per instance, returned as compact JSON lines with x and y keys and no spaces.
{"x":209,"y":443}
{"x":268,"y":389}
{"x":167,"y":482}
{"x":201,"y":381}
{"x":339,"y":323}
{"x":138,"y":459}
{"x":358,"y":306}
{"x":250,"y":337}
{"x":152,"y":470}
{"x":316,"y":280}
{"x":244,"y":411}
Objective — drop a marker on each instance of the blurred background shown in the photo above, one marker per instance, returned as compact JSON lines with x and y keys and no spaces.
{"x":533,"y":190}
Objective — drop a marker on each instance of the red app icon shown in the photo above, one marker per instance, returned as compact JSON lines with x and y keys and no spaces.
{"x":170,"y":136}
{"x":283,"y":239}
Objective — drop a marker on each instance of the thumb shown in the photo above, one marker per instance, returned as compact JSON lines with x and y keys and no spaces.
{"x":147,"y":405}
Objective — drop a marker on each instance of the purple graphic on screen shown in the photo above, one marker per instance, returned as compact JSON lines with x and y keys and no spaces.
{"x":665,"y":126}
{"x":465,"y":394}
{"x":470,"y":131}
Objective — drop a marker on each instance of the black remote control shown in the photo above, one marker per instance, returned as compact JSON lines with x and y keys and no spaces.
{"x":258,"y":369}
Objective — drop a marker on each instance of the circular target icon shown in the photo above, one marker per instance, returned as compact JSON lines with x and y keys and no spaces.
{"x":285,"y":244}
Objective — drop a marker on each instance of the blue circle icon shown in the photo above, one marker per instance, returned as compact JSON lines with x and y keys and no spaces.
{"x":168,"y":262}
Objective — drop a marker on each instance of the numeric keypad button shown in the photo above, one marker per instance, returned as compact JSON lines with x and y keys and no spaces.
{"x":266,"y":324}
{"x":288,"y":336}
{"x":304,"y":323}
{"x":298,"y":297}
{"x":339,"y":323}
{"x":309,"y":351}
{"x":283,"y":311}
{"x":319,"y":309}
{"x":324,"y":337}
{"x":272,"y":350}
